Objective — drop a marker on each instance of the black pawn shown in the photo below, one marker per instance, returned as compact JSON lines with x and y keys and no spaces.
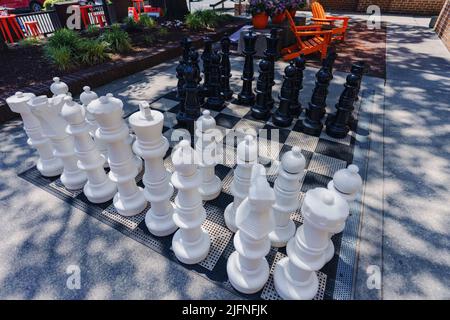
{"x":225,"y":68}
{"x":338,"y":127}
{"x":206,"y":58}
{"x":192,"y":103}
{"x":186,"y":44}
{"x":282,"y":117}
{"x":247,"y":97}
{"x":270,"y":55}
{"x":312,"y":124}
{"x":215,"y":100}
{"x":296,"y":106}
{"x":358,"y":69}
{"x":193,"y":56}
{"x":261,"y":109}
{"x":328,"y":62}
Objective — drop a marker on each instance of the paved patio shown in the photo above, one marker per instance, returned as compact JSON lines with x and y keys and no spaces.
{"x":404,"y":229}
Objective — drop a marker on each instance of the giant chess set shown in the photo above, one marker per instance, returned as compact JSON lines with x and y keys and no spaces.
{"x":254,"y":200}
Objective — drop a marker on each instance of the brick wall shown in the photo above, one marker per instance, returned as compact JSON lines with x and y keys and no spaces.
{"x":443,"y":25}
{"x":418,"y":7}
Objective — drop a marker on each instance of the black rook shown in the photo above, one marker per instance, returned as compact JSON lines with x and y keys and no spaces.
{"x":282,"y":117}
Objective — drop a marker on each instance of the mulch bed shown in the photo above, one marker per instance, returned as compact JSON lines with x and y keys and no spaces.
{"x":361,"y":44}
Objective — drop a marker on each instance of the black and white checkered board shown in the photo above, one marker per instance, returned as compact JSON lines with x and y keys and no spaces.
{"x":324,"y":156}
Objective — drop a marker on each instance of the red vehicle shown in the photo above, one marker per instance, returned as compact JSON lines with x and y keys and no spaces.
{"x":22,"y":5}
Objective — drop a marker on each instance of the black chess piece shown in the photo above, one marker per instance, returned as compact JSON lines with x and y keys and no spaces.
{"x":282,"y":117}
{"x":215,"y":100}
{"x":186,"y":44}
{"x":358,"y":68}
{"x":246,"y":96}
{"x":329,"y":60}
{"x":296,"y":106}
{"x":312,"y":123}
{"x":206,"y":58}
{"x":225,"y":68}
{"x":261,"y":109}
{"x":338,"y":127}
{"x":192,"y":103}
{"x":270,"y":55}
{"x":193,"y":56}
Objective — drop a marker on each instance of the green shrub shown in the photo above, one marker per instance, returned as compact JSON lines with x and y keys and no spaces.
{"x":65,"y":38}
{"x":149,"y":39}
{"x":29,"y":42}
{"x":193,"y":22}
{"x":60,"y":56}
{"x":163,"y":32}
{"x":205,"y":19}
{"x":93,"y":52}
{"x":48,"y":4}
{"x":93,"y":29}
{"x":146,"y":21}
{"x":130,"y":24}
{"x":117,"y":39}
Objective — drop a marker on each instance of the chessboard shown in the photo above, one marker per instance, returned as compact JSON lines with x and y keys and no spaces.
{"x":324,"y":156}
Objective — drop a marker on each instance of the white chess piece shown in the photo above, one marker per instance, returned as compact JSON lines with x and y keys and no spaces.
{"x":47,"y":164}
{"x":54,"y":127}
{"x":295,"y":275}
{"x":86,"y":97}
{"x":287,"y":188}
{"x":113,"y":131}
{"x":190,"y":243}
{"x":247,"y":267}
{"x":247,"y":156}
{"x":347,"y":183}
{"x":99,"y":188}
{"x":58,"y":87}
{"x":151,"y":145}
{"x":206,"y":147}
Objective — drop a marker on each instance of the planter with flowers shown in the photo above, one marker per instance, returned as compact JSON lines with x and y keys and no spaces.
{"x":293,"y":5}
{"x":258,"y":10}
{"x":278,"y":11}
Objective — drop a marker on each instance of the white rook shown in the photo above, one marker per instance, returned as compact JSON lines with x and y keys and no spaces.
{"x":47,"y":164}
{"x":206,"y":147}
{"x":287,"y":188}
{"x":113,"y":131}
{"x":151,"y":145}
{"x":247,"y":267}
{"x":247,"y":156}
{"x":99,"y":188}
{"x":190,"y":243}
{"x":295,"y":275}
{"x":86,"y":97}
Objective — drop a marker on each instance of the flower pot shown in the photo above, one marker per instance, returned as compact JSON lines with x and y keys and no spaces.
{"x":279,"y":18}
{"x":260,"y":20}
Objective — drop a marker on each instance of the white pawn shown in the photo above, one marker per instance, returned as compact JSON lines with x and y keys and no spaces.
{"x":287,"y":188}
{"x":294,"y":276}
{"x":151,"y":145}
{"x":347,"y":183}
{"x":190,"y":243}
{"x":247,"y":156}
{"x":129,"y":200}
{"x":54,"y":127}
{"x":206,"y":147}
{"x":247,"y":267}
{"x":58,"y":87}
{"x":86,"y":97}
{"x":99,"y":187}
{"x":47,"y":164}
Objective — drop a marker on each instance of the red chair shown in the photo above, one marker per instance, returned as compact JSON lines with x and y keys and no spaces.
{"x":84,"y":12}
{"x":140,"y":5}
{"x":32,"y":29}
{"x":99,"y":18}
{"x":8,"y":23}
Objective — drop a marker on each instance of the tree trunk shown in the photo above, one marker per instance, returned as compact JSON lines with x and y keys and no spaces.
{"x":176,"y":9}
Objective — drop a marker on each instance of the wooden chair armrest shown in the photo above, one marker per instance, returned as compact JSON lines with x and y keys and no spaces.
{"x":322,"y":20}
{"x":338,"y":18}
{"x":310,"y":27}
{"x":312,"y":33}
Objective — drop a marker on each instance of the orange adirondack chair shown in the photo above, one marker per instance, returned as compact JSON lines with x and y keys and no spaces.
{"x":317,"y":40}
{"x":320,"y":18}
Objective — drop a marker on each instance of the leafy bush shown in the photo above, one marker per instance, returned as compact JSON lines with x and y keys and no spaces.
{"x":149,"y":39}
{"x":163,"y":32}
{"x":93,"y":29}
{"x":205,"y":19}
{"x":29,"y":42}
{"x":146,"y":21}
{"x":60,"y":56}
{"x":93,"y":52}
{"x":65,"y":38}
{"x":130,"y":24}
{"x":117,"y":39}
{"x":193,"y":22}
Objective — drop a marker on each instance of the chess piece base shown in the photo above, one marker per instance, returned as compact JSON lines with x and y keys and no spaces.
{"x":230,"y":218}
{"x":100,"y":193}
{"x":158,"y":225}
{"x":73,"y":181}
{"x":211,"y":190}
{"x":50,"y":168}
{"x":260,"y":114}
{"x":130,"y":206}
{"x":310,"y":128}
{"x":214,"y":103}
{"x":191,"y":253}
{"x":246,"y":100}
{"x":227,"y":95}
{"x":329,"y":252}
{"x":281,"y":121}
{"x":244,"y":281}
{"x":281,"y":235}
{"x":337,"y":132}
{"x":289,"y":289}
